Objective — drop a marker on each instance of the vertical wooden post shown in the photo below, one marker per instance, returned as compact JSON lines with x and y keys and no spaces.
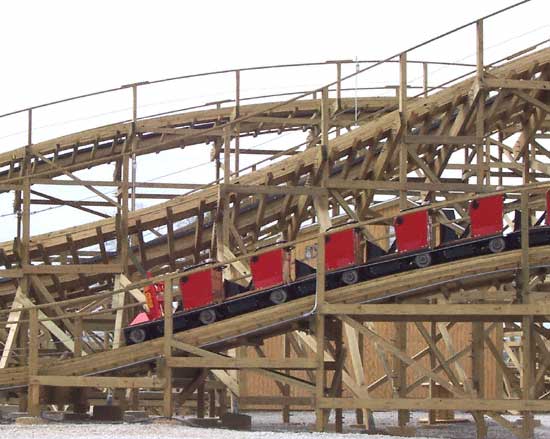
{"x":78,"y":337}
{"x":480,"y":63}
{"x":478,"y":370}
{"x":528,"y":341}
{"x":134,"y":399}
{"x":400,"y":371}
{"x":325,"y":123}
{"x":425,"y":78}
{"x":168,"y":332}
{"x":403,"y":115}
{"x":211,"y":403}
{"x":123,"y":235}
{"x":361,"y":415}
{"x":320,"y":377}
{"x":339,"y":353}
{"x":480,"y":115}
{"x":528,"y":382}
{"x":33,"y":406}
{"x":432,"y":414}
{"x":117,"y":301}
{"x":500,"y":156}
{"x":525,"y":246}
{"x":134,"y":160}
{"x":222,"y":398}
{"x":25,"y":281}
{"x":237,"y":114}
{"x":226,"y":154}
{"x":218,"y":142}
{"x":338,"y":85}
{"x":200,"y":401}
{"x":286,"y":387}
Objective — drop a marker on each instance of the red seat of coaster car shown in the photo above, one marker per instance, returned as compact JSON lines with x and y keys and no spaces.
{"x":270,"y":268}
{"x":486,"y":216}
{"x":412,"y":231}
{"x":201,"y":288}
{"x":342,"y":249}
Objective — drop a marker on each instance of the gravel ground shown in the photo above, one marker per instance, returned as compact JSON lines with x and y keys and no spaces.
{"x":265,"y":426}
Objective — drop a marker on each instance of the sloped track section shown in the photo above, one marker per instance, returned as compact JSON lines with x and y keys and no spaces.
{"x":352,"y":157}
{"x":270,"y":321}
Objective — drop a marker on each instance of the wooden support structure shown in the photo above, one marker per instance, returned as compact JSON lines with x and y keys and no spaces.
{"x":70,"y":293}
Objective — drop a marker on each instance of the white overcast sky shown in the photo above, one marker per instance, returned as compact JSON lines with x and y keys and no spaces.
{"x":57,"y":49}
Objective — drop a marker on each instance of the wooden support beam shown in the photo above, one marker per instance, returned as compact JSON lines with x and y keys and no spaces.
{"x":71,"y":269}
{"x":73,"y":177}
{"x":352,"y":342}
{"x":435,"y":312}
{"x":170,"y":238}
{"x":463,"y":404}
{"x":34,"y":388}
{"x":411,"y":186}
{"x":321,"y":417}
{"x":439,"y":140}
{"x":168,"y":403}
{"x":46,"y":297}
{"x":13,"y":329}
{"x":223,"y":376}
{"x":522,"y":84}
{"x":99,"y":381}
{"x":403,"y":115}
{"x":117,"y":302}
{"x":242,"y":363}
{"x":51,"y":326}
{"x":134,"y":292}
{"x":390,"y":348}
{"x":272,"y":190}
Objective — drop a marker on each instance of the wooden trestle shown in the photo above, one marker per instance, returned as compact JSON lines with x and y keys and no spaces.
{"x":365,"y":159}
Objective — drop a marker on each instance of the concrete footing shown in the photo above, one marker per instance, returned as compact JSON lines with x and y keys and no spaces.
{"x":401,"y":431}
{"x":205,"y":422}
{"x":135,"y":416}
{"x":65,"y":416}
{"x":30,"y":420}
{"x":236,"y":421}
{"x":107,"y":413}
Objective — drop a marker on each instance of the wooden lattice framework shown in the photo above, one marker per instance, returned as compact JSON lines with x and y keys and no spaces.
{"x":359,"y":153}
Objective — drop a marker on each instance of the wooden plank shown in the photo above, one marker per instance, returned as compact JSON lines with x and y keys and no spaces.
{"x":168,"y":403}
{"x":51,"y":326}
{"x":70,"y":269}
{"x":523,"y":84}
{"x":242,"y":363}
{"x":11,"y":273}
{"x":104,"y":183}
{"x":46,"y":297}
{"x":439,"y":140}
{"x":410,"y":186}
{"x":276,"y":400}
{"x":170,"y":238}
{"x":533,"y":101}
{"x":134,"y":292}
{"x":117,"y":301}
{"x":272,"y":190}
{"x":440,"y":312}
{"x":99,"y":381}
{"x":223,"y":376}
{"x":13,"y":329}
{"x":463,"y":404}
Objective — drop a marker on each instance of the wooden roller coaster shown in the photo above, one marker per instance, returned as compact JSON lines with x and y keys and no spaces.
{"x":68,"y":295}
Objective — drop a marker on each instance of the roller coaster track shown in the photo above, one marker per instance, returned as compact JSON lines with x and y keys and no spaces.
{"x":364,"y":159}
{"x":366,"y":152}
{"x":489,"y":269}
